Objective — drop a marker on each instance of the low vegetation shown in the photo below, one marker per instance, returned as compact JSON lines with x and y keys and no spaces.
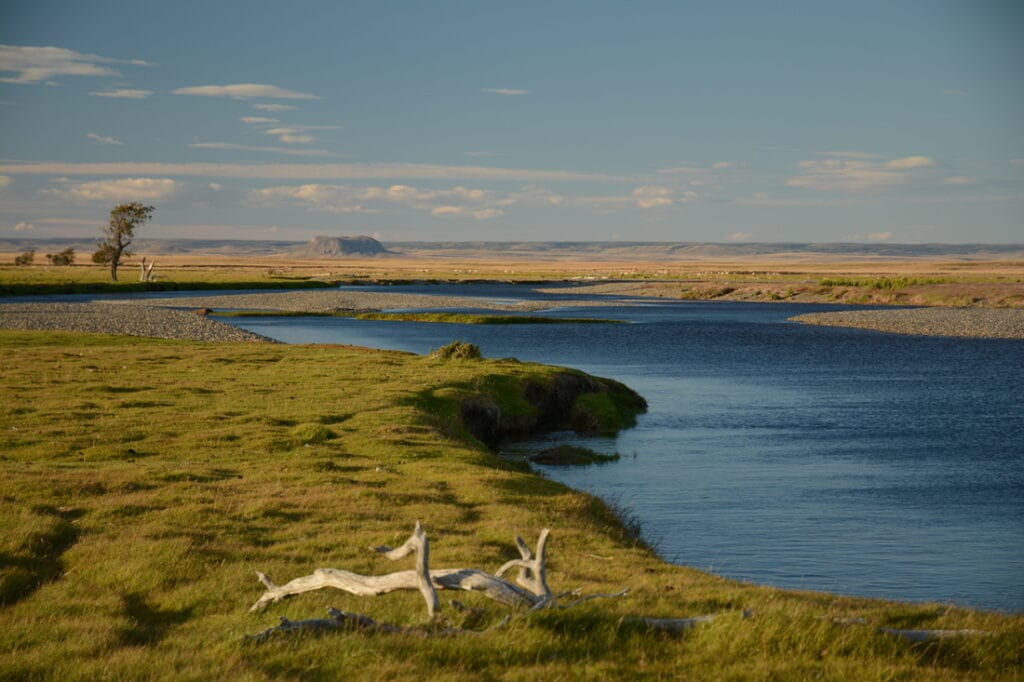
{"x":572,"y":455}
{"x":444,"y":318}
{"x":95,"y":279}
{"x":142,"y":482}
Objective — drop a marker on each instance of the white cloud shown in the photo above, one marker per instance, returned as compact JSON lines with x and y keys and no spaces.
{"x":739,"y":237}
{"x":273,"y":107}
{"x":124,"y":94}
{"x":122,"y":189}
{"x":650,"y":196}
{"x":456,"y":202}
{"x":854,"y":174}
{"x":215,"y":186}
{"x":244,"y":91}
{"x":339,"y":171}
{"x":463,"y":211}
{"x":24,"y":227}
{"x":879,"y":236}
{"x":655,"y":196}
{"x":910,"y":162}
{"x":508,"y":92}
{"x":682,"y":170}
{"x":257,"y":120}
{"x":291,"y":135}
{"x":287,"y":151}
{"x":41,"y":64}
{"x":958,"y":180}
{"x":104,"y":139}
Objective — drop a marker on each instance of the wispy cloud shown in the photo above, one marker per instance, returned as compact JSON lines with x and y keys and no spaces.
{"x":458,"y":201}
{"x":287,"y":151}
{"x":910,"y":162}
{"x":856,"y":175}
{"x":1017,"y":162}
{"x":274,"y":107}
{"x":958,"y":180}
{"x":41,"y":64}
{"x":121,"y":189}
{"x":650,"y":196}
{"x":341,"y":171}
{"x":482,"y":154}
{"x":508,"y":92}
{"x":289,"y":134}
{"x":104,"y":139}
{"x":879,"y":236}
{"x":123,"y":94}
{"x":244,"y":91}
{"x":24,"y":227}
{"x":846,"y":154}
{"x":257,"y":120}
{"x":739,"y":237}
{"x":5,"y":180}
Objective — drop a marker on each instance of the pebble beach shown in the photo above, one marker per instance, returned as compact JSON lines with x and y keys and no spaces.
{"x":986,"y":323}
{"x":178,"y":318}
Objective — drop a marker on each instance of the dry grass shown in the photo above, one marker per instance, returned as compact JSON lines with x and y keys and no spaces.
{"x":142,"y":482}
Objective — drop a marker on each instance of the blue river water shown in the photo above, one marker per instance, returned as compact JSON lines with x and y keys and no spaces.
{"x":805,"y":457}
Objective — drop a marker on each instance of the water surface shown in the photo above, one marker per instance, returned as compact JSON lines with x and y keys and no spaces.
{"x":805,"y":457}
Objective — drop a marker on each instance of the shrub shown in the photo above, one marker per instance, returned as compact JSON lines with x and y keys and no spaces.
{"x":65,"y":257}
{"x":457,"y":350}
{"x":25,"y":258}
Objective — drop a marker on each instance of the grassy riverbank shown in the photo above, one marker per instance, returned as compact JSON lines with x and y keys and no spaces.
{"x":920,"y":282}
{"x":443,"y":318}
{"x":144,"y":481}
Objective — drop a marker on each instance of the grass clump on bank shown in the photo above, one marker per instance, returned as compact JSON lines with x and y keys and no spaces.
{"x":572,"y":455}
{"x":142,"y":482}
{"x":445,"y":318}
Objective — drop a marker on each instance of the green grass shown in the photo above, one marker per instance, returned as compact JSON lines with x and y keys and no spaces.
{"x":446,"y":318}
{"x":884,"y":283}
{"x":142,"y":482}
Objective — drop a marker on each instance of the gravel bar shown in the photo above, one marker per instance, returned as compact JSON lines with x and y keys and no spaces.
{"x":106,"y":318}
{"x":321,"y":300}
{"x":987,"y":323}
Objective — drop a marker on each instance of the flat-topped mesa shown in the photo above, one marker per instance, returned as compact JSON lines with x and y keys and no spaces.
{"x":330,"y":247}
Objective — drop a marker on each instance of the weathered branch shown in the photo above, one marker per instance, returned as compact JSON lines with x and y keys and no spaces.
{"x":532,"y":572}
{"x":468,"y":579}
{"x":146,"y":275}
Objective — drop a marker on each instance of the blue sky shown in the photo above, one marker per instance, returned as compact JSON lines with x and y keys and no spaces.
{"x":807,"y":121}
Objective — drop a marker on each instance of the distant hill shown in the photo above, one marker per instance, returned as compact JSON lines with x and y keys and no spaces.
{"x":332,"y":247}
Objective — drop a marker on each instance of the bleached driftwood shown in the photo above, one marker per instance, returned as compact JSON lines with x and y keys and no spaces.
{"x":423,"y":579}
{"x":147,"y":272}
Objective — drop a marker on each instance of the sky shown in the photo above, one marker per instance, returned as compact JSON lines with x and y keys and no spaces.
{"x":733,"y":121}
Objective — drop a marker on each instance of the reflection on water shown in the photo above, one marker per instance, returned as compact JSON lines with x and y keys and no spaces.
{"x":805,"y":457}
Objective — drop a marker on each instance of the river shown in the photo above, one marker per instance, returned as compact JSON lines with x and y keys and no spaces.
{"x":803,"y":457}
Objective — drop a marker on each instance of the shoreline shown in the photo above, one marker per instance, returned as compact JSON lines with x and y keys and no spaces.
{"x":976,"y":323}
{"x":178,"y":317}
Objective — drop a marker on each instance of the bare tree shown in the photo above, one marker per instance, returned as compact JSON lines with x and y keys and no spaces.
{"x":119,"y":232}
